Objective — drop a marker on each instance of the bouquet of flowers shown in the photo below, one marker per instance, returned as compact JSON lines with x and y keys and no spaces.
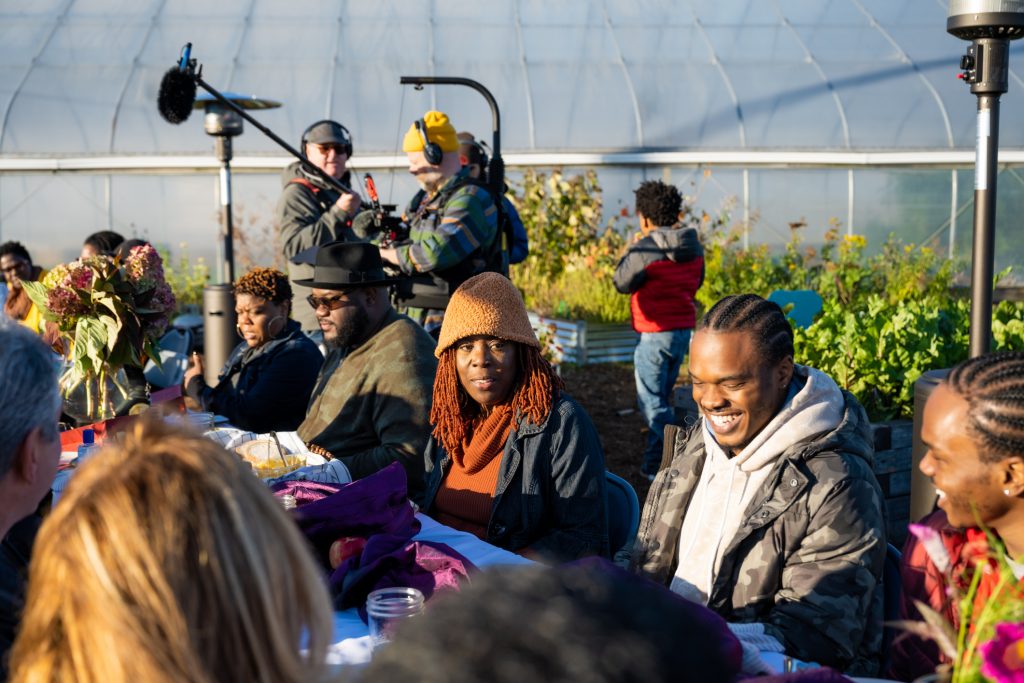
{"x":987,"y":643}
{"x":113,"y":312}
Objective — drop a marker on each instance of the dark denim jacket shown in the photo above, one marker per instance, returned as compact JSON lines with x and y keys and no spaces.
{"x":550,"y":495}
{"x":266,"y":388}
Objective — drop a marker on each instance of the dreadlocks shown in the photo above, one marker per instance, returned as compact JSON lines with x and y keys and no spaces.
{"x":761,"y":318}
{"x":453,"y":411}
{"x":993,"y":386}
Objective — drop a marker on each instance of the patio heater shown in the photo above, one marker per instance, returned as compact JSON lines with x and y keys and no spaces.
{"x":223,"y":123}
{"x":990,"y":25}
{"x":224,"y":115}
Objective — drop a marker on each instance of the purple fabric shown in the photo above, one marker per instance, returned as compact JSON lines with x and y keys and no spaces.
{"x":374,"y":505}
{"x":426,"y":566}
{"x":376,"y":508}
{"x":822,"y":675}
{"x":305,"y":491}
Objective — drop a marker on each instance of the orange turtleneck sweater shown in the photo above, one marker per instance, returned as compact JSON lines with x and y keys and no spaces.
{"x":465,"y":498}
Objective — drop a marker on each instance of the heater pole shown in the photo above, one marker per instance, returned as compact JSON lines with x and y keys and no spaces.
{"x":986,"y":67}
{"x":227,"y":268}
{"x":983,"y":257}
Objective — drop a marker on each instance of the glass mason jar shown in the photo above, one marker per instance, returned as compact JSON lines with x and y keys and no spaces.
{"x":386,"y":608}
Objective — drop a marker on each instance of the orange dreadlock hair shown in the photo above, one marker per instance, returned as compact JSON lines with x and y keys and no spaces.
{"x":453,"y":411}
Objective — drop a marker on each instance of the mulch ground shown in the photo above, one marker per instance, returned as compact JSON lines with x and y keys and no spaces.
{"x":608,"y":394}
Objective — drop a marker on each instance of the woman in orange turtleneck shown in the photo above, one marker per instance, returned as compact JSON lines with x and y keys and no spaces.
{"x":512,"y":459}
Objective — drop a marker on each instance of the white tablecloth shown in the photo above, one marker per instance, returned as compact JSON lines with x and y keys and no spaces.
{"x":351,"y":637}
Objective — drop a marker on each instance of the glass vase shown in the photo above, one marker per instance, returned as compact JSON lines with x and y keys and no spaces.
{"x":93,"y":398}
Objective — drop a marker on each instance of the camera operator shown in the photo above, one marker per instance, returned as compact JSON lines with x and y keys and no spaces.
{"x":453,"y":224}
{"x":310,"y":212}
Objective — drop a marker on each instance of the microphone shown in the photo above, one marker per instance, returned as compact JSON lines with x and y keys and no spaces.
{"x":178,"y":90}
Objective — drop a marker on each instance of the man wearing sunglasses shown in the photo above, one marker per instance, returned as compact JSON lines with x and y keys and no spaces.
{"x":310,"y":212}
{"x":371,"y":404}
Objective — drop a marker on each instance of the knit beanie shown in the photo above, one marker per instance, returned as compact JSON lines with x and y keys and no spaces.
{"x":488,"y":304}
{"x":440,"y":131}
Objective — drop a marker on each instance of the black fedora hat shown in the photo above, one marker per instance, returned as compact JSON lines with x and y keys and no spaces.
{"x":346,"y":265}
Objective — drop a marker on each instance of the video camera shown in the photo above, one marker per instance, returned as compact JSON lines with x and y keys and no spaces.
{"x":391,"y":228}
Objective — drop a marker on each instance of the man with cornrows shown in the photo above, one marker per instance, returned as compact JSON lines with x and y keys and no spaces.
{"x":661,"y":272}
{"x":769,"y":511}
{"x":973,"y":430}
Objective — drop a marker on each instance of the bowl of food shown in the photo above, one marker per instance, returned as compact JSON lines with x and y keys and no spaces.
{"x":269,"y":459}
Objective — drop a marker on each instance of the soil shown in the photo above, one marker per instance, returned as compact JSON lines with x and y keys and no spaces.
{"x":607,"y":392}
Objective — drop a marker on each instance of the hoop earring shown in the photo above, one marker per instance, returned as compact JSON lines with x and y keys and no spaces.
{"x":274,"y":334}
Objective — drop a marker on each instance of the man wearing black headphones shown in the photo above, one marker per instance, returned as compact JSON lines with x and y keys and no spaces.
{"x":453,"y":223}
{"x":310,"y":212}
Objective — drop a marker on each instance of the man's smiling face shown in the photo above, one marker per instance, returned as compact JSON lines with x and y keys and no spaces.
{"x":737,"y":389}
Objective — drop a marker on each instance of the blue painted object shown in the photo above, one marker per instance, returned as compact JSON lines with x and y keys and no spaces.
{"x":800,"y":305}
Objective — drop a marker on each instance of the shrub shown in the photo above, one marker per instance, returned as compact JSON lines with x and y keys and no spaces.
{"x":185,"y":277}
{"x":572,"y":259}
{"x":573,"y":252}
{"x":886,"y":318}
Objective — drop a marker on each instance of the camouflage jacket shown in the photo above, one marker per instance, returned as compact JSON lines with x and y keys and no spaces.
{"x":450,"y":228}
{"x":371,"y":405}
{"x":807,"y":561}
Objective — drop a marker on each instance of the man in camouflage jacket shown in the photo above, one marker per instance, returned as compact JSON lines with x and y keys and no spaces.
{"x":804,"y":565}
{"x":371,"y":404}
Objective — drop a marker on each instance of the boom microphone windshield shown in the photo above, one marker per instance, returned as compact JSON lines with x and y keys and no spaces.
{"x":178,"y":89}
{"x":176,"y":96}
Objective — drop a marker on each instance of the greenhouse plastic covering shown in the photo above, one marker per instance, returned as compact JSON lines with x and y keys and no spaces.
{"x":78,"y":80}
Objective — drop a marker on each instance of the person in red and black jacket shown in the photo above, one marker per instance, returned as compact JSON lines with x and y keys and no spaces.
{"x":661,"y":272}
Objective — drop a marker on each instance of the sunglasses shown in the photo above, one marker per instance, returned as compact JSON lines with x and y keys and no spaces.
{"x":330,"y":302}
{"x":328,"y":146}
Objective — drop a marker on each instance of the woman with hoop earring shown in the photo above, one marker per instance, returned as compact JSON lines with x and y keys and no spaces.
{"x":267,"y":380}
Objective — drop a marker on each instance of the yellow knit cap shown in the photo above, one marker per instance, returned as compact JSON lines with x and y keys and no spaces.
{"x":489,"y":304}
{"x":440,"y":131}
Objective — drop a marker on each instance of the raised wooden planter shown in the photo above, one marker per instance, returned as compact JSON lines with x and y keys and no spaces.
{"x":583,"y":343}
{"x":893,"y":446}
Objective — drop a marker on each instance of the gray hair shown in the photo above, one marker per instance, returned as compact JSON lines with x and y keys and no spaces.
{"x":29,"y":393}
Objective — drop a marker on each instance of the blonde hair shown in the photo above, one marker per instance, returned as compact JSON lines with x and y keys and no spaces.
{"x":167,"y":560}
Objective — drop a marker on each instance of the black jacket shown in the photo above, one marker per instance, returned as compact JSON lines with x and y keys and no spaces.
{"x":265,"y":388}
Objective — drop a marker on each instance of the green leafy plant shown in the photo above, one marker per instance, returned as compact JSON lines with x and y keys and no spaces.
{"x":574,"y":251}
{"x":572,"y":259}
{"x":185,"y":277}
{"x":112,"y":311}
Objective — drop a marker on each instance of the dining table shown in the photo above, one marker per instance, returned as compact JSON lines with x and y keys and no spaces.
{"x":351,"y":644}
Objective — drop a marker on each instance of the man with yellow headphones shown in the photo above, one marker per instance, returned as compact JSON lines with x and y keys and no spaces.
{"x":310,"y":212}
{"x":453,"y":223}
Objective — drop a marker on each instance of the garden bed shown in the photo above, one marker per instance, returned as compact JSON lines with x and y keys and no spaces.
{"x":585,"y":343}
